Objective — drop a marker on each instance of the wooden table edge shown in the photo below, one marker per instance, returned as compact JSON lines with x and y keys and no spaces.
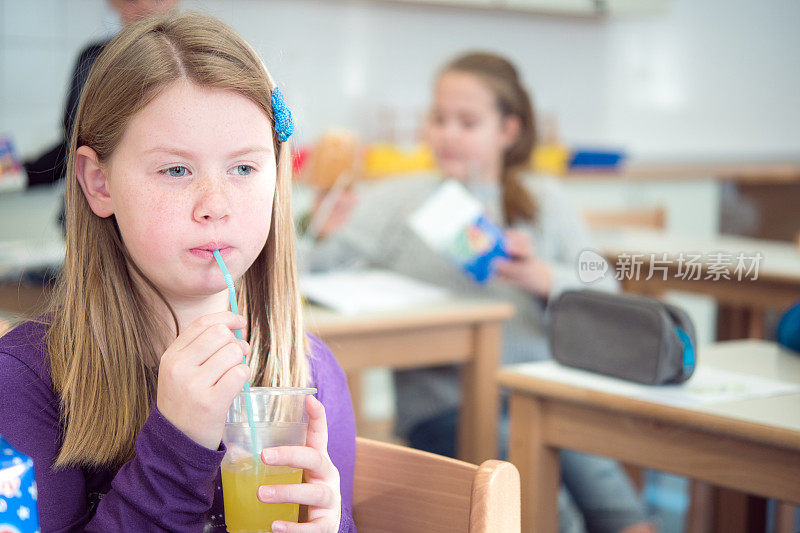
{"x":470,"y":312}
{"x":717,"y":423}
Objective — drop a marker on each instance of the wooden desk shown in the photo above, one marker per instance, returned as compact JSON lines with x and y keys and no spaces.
{"x":22,"y":299}
{"x":770,"y":172}
{"x":750,"y":445}
{"x":742,"y":303}
{"x":460,"y":331}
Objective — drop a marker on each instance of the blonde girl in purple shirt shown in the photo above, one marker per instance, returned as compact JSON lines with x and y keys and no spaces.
{"x":119,"y":392}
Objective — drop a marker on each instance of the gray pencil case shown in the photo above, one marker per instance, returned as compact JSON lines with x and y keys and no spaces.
{"x":631,"y":337}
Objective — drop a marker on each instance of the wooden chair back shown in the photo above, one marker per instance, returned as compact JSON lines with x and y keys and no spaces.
{"x":399,"y":489}
{"x":653,"y":218}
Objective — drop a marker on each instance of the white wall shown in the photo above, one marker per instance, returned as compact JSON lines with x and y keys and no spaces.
{"x":713,"y":77}
{"x":339,"y":61}
{"x":39,"y":42}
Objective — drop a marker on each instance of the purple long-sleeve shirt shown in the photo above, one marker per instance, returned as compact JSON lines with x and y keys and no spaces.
{"x":173,"y":483}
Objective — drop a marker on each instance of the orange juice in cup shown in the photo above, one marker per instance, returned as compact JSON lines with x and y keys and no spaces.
{"x":279,"y":419}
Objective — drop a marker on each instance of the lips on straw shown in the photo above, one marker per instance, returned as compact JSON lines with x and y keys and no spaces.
{"x":232,"y":296}
{"x":248,"y":405}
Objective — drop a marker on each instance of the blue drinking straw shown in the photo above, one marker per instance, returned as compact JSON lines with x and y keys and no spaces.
{"x":248,"y":405}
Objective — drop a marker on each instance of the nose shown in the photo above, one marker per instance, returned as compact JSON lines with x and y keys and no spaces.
{"x":450,"y":131}
{"x":212,"y":201}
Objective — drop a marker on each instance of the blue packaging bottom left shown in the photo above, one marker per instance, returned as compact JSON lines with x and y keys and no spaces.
{"x":19,"y":511}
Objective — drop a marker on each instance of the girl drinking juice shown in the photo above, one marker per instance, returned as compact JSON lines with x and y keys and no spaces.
{"x":120,"y":392}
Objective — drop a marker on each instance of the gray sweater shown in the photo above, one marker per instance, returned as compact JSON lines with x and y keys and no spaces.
{"x":376,"y":235}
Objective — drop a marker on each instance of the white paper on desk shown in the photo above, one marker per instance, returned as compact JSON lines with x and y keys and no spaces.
{"x":708,"y":385}
{"x":357,"y":291}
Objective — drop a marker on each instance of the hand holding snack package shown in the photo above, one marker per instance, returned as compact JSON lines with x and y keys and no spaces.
{"x":19,"y":512}
{"x":455,"y":224}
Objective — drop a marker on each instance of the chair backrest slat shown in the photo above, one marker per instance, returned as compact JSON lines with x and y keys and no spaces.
{"x":401,"y":489}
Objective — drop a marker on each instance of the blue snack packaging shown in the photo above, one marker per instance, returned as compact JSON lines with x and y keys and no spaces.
{"x":19,"y":512}
{"x":454,"y":223}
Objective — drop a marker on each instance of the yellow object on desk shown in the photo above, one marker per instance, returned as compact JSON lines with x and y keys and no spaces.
{"x":388,"y":160}
{"x":551,"y":158}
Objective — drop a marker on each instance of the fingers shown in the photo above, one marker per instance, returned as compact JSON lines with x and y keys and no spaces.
{"x":318,"y":525}
{"x":518,"y":244}
{"x":312,"y":494}
{"x":309,"y":459}
{"x":223,"y":360}
{"x":231,"y":321}
{"x":232,"y":381}
{"x":508,"y":269}
{"x":338,"y":214}
{"x":317,"y":435}
{"x":216,"y":337}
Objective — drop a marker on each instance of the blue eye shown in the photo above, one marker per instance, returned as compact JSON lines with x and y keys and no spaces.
{"x":175,"y":172}
{"x":242,"y":170}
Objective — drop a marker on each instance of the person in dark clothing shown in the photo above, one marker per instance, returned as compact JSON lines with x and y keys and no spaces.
{"x":50,"y":166}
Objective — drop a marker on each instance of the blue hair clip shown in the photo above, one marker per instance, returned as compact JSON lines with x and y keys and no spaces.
{"x":284,"y":125}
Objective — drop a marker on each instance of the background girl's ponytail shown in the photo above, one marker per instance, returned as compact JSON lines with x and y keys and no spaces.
{"x":512,"y":100}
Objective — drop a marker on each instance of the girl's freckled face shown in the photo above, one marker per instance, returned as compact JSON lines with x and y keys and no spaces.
{"x":195,"y":170}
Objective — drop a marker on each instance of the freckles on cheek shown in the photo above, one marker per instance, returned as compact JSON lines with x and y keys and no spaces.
{"x":155,"y":222}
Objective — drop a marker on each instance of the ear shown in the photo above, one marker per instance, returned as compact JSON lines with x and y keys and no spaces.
{"x":511,"y":128}
{"x":94,"y":181}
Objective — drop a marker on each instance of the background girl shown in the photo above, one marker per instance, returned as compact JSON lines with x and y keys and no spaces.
{"x":482,"y":130}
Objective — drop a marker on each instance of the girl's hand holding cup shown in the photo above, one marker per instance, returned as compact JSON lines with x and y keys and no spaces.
{"x":320,"y":491}
{"x":200,"y":374}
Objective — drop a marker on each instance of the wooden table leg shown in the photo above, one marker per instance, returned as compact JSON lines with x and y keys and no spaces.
{"x":538,"y":466}
{"x":356,"y":395}
{"x":737,"y":512}
{"x":732,"y":322}
{"x":755,"y":323}
{"x":786,"y":518}
{"x":701,"y":507}
{"x":477,"y":439}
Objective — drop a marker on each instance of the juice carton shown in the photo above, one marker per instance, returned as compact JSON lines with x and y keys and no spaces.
{"x":19,"y":512}
{"x":455,"y":224}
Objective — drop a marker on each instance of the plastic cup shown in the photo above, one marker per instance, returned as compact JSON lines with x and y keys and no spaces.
{"x":279,"y":419}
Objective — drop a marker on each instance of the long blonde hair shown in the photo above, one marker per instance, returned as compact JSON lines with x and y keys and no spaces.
{"x":103,"y":329}
{"x":512,"y":100}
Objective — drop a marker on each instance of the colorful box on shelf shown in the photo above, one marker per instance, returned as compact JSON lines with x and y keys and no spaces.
{"x":550,"y":158}
{"x":589,"y":159}
{"x":389,"y":160}
{"x":554,"y":158}
{"x":12,"y":175}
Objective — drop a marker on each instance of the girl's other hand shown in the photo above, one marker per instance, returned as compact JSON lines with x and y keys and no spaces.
{"x":335,"y":215}
{"x":200,"y":374}
{"x":320,"y":490}
{"x":524,"y":268}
